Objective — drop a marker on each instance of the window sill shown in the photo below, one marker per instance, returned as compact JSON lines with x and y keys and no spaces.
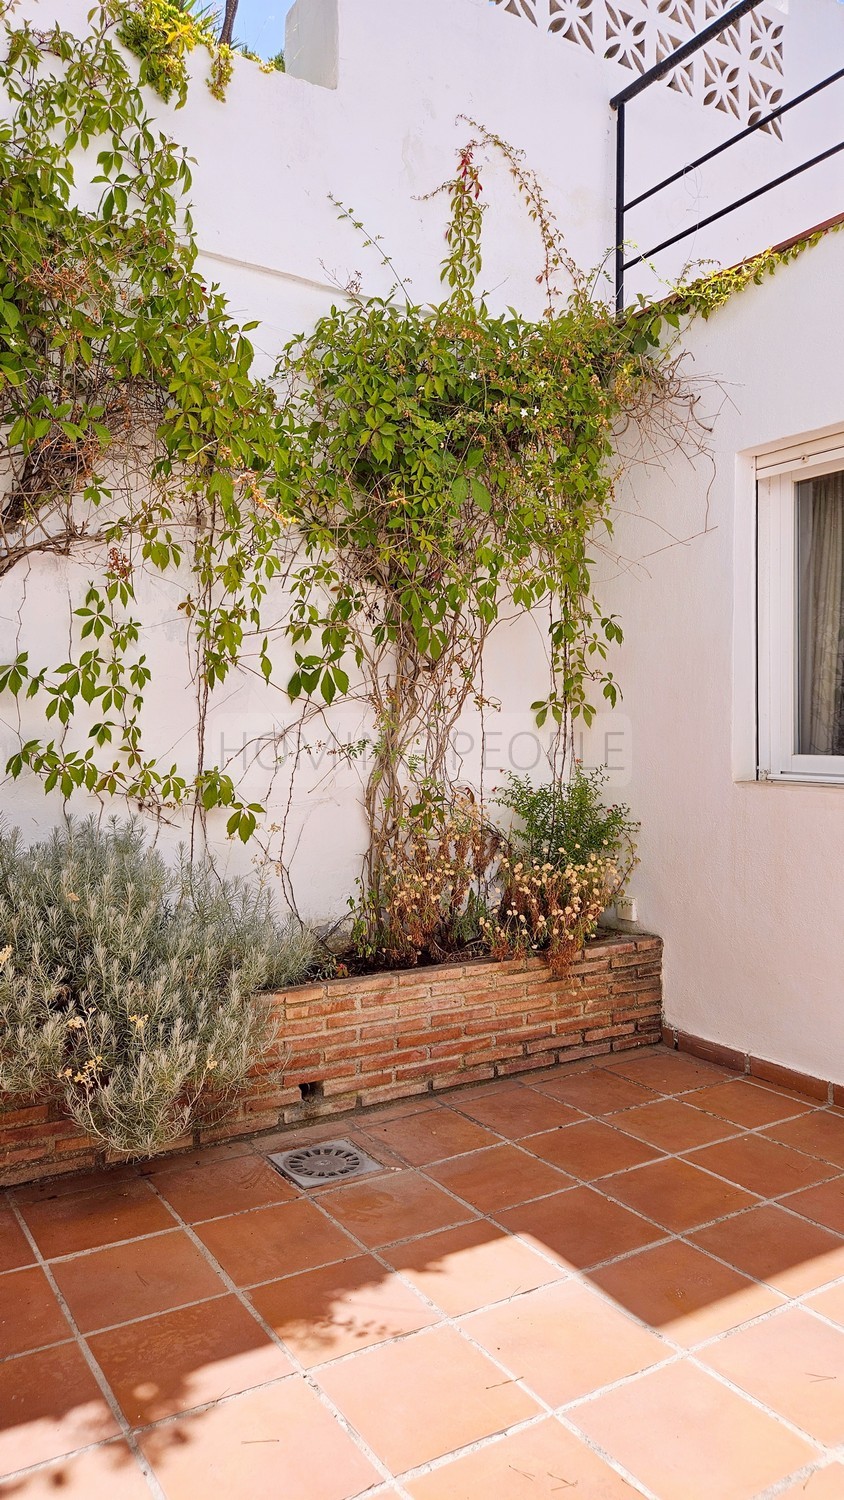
{"x":798,"y":778}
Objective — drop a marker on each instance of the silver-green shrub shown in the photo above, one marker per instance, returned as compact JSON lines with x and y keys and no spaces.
{"x":127,"y":989}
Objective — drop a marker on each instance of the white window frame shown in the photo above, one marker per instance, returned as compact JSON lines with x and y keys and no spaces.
{"x":777,"y":476}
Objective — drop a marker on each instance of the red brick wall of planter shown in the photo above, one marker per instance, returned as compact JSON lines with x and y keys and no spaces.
{"x":351,"y":1043}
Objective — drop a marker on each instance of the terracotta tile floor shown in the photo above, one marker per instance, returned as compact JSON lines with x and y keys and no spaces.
{"x":618,"y":1280}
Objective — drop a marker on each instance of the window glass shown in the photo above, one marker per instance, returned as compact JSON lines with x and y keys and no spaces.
{"x":820,"y":615}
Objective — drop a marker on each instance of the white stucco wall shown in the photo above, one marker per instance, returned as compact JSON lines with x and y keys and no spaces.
{"x":744,"y":881}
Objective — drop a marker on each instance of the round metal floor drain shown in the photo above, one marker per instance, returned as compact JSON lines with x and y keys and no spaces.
{"x":325,"y":1161}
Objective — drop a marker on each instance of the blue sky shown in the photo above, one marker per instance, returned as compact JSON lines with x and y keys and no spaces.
{"x":260,"y":24}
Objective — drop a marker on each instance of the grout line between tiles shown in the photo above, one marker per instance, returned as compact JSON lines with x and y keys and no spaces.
{"x":674,"y":1352}
{"x":93,"y":1366}
{"x":445,"y":1319}
{"x":6,"y":1359}
{"x":787,"y":1485}
{"x":760,"y":1405}
{"x":325,"y":1401}
{"x":124,"y":1323}
{"x":452,"y":1322}
{"x":54,"y":1260}
{"x":32,"y":1470}
{"x":682,"y":1352}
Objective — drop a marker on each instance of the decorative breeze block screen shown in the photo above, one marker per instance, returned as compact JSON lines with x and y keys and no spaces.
{"x":740,"y":73}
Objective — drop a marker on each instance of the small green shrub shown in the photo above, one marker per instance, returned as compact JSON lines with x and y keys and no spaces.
{"x":570,"y":857}
{"x":452,"y":882}
{"x":568,"y":820}
{"x":127,"y":989}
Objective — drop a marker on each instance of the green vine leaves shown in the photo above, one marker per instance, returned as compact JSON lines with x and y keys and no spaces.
{"x":448,"y":468}
{"x":137,"y":439}
{"x":411,"y":476}
{"x":162,"y":33}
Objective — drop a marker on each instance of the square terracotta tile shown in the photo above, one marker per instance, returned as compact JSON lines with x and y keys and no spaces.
{"x":429,"y":1136}
{"x":132,"y":1280}
{"x":498,"y":1177}
{"x":747,"y":1104}
{"x":591,"y":1150}
{"x":222,"y":1187}
{"x":412,"y":1105}
{"x":597,"y":1092}
{"x":670,"y":1072}
{"x":75,"y":1183}
{"x":379,"y":1210}
{"x":676,"y":1194}
{"x":777,"y":1247}
{"x":70,"y":1222}
{"x":30,"y":1316}
{"x":15,"y":1249}
{"x":687,"y":1437}
{"x":569,"y":1069}
{"x":683,"y":1293}
{"x":51,"y":1405}
{"x":462,"y":1269}
{"x":580,"y":1227}
{"x":514,"y":1111}
{"x":191,"y":1357}
{"x":792,"y":1363}
{"x":337,"y":1309}
{"x":830,"y":1304}
{"x":278,"y":1443}
{"x":538,"y":1463}
{"x":820,"y":1134}
{"x":275,"y":1241}
{"x":423,"y":1397}
{"x":762,"y":1166}
{"x":565,"y":1341}
{"x":203,"y":1157}
{"x":823,"y":1204}
{"x":106,"y":1473}
{"x":672,"y":1125}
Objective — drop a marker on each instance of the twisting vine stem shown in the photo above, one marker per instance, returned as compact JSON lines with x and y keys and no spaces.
{"x":448,"y":468}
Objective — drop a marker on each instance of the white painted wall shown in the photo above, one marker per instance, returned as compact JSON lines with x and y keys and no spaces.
{"x":744,"y":881}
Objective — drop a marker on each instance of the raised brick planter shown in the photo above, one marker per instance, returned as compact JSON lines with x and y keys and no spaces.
{"x":351,"y":1043}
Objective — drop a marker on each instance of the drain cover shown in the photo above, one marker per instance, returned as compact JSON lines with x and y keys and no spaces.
{"x":325,"y":1161}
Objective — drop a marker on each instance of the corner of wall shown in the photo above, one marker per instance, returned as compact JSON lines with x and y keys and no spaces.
{"x":312,"y":42}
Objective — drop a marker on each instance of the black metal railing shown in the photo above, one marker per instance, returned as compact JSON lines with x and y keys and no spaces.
{"x":661,"y":69}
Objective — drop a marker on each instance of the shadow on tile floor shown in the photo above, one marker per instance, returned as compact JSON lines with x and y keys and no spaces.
{"x":547,"y":1273}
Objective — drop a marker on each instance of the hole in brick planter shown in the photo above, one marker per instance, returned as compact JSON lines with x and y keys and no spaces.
{"x":327,"y":1161}
{"x":311,"y":1090}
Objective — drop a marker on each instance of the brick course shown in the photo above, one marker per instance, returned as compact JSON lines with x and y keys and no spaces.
{"x":347,"y":1044}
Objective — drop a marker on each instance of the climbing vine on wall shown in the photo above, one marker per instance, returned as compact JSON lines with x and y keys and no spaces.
{"x":449,"y":468}
{"x":413,"y":474}
{"x":137,"y":441}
